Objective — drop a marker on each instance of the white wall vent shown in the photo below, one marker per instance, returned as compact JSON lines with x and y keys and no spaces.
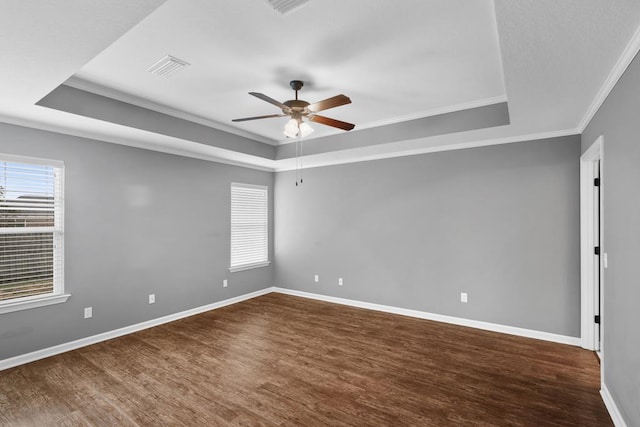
{"x":286,"y":6}
{"x":167,"y":66}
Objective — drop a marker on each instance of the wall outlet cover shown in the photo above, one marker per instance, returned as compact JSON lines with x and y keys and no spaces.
{"x":152,"y":298}
{"x":88,"y":312}
{"x":463,"y":297}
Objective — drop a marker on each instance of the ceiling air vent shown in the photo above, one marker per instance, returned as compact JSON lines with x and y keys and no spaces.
{"x":286,"y":6}
{"x":167,"y":66}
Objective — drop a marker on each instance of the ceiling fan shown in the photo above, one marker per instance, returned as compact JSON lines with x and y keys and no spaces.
{"x":298,"y":110}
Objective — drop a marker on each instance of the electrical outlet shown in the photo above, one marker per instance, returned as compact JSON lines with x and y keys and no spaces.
{"x":88,"y":312}
{"x":340,"y":281}
{"x":225,"y":283}
{"x":152,"y":298}
{"x":463,"y":297}
{"x":605,"y":260}
{"x":316,"y":278}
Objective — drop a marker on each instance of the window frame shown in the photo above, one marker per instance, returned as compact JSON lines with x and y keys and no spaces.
{"x":58,"y":294}
{"x":257,"y":264}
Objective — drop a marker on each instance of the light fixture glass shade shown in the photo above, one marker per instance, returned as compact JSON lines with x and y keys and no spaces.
{"x":305,"y":129}
{"x":291,"y":129}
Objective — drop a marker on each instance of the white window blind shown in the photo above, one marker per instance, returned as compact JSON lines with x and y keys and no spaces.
{"x":249,"y":226}
{"x":31,"y":229}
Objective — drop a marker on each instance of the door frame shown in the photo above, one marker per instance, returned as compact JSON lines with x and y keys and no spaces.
{"x":589,"y":291}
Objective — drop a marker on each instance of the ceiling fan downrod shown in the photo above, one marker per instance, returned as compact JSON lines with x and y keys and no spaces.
{"x":296,"y":85}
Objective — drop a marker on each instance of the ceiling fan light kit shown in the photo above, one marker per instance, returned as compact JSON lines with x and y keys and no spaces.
{"x":295,"y":128}
{"x":298,"y":110}
{"x":305,"y":129}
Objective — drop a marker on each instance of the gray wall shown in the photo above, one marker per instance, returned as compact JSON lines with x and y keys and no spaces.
{"x":136,"y":222}
{"x":618,"y":122}
{"x":500,"y":222}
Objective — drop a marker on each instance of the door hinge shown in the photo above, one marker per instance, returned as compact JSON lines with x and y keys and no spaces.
{"x":596,"y":182}
{"x":596,"y":319}
{"x":596,"y":250}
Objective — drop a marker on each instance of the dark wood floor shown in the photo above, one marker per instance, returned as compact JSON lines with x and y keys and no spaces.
{"x":282,"y":360}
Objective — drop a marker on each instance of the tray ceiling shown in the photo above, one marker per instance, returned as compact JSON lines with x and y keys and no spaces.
{"x":407,"y":66}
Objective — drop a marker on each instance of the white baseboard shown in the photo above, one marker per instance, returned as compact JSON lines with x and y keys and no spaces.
{"x":51,"y":351}
{"x":83,"y":342}
{"x":546,"y":336}
{"x":614,"y":412}
{"x":512,"y":330}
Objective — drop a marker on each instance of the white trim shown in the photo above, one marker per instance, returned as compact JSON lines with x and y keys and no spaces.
{"x":251,"y":186}
{"x":96,"y":89}
{"x":59,"y":236}
{"x":249,"y":266}
{"x":32,"y":160}
{"x":57,"y":294}
{"x":511,"y":330}
{"x":220,"y":155}
{"x":33,"y":302}
{"x":310,"y":163}
{"x":249,"y":229}
{"x":587,"y":242}
{"x":618,"y":70}
{"x":83,"y":342}
{"x":447,"y":109}
{"x":610,"y":403}
{"x":196,"y":150}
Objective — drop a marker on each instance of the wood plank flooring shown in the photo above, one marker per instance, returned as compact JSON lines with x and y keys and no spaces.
{"x":287,"y":361}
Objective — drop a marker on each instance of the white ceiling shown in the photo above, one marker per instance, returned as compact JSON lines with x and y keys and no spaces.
{"x":396,"y":60}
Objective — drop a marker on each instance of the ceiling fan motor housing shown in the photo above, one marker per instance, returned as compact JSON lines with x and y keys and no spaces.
{"x":298,"y":107}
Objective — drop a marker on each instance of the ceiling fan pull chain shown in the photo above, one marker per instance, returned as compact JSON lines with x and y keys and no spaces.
{"x":301,"y":166}
{"x":297,"y":156}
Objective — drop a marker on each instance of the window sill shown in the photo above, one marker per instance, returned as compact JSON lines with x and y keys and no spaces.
{"x":249,"y":266}
{"x":33,"y":303}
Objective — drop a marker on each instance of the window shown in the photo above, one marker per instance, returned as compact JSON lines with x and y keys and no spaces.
{"x":249,"y":226}
{"x":31,"y":233}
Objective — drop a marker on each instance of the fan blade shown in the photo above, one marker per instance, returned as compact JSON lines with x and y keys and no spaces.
{"x":332,"y":122}
{"x":258,"y":117}
{"x":271,"y":101}
{"x":332,"y":102}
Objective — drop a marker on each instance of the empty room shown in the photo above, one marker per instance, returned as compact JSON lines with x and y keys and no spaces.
{"x":319,"y":213}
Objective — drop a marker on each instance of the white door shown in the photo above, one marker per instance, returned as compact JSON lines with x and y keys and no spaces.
{"x":591,"y":248}
{"x":597,"y":253}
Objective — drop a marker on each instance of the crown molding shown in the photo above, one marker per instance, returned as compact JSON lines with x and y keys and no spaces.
{"x":87,"y":86}
{"x":309,"y":164}
{"x":170,"y":145}
{"x":176,"y":146}
{"x":630,"y":51}
{"x":414,"y":116}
